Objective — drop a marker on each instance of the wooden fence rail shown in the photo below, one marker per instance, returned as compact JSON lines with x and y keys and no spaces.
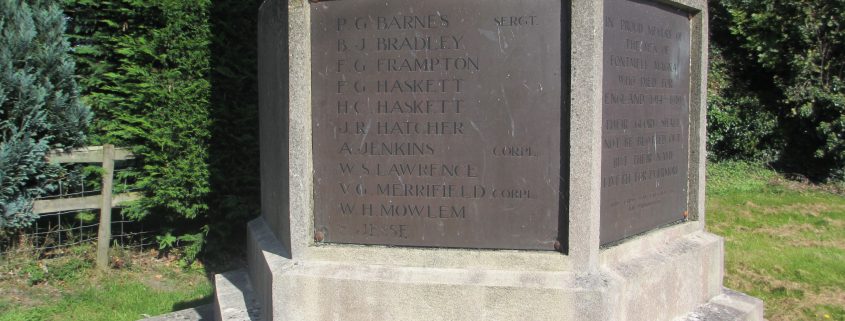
{"x":106,"y":155}
{"x":80,"y":203}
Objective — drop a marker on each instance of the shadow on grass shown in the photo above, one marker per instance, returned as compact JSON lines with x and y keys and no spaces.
{"x":195,"y":304}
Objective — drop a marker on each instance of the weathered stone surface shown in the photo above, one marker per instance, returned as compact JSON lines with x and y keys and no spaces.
{"x":234,"y":298}
{"x":728,"y":306}
{"x":652,"y":284}
{"x":336,"y":290}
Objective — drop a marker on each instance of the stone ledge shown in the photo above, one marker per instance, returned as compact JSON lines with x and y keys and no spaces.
{"x":728,"y":306}
{"x":323,"y":290}
{"x":669,"y":279}
{"x":234,"y":298}
{"x":656,"y":282}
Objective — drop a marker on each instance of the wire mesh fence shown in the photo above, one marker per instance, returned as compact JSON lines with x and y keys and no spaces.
{"x":56,"y":231}
{"x":68,"y":222}
{"x":80,"y":184}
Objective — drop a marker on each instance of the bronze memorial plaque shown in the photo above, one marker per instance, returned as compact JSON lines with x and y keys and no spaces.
{"x":645,"y":117}
{"x":437,"y":123}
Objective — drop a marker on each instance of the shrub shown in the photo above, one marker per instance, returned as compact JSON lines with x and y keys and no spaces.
{"x":794,"y":52}
{"x":739,"y":126}
{"x":39,"y":105}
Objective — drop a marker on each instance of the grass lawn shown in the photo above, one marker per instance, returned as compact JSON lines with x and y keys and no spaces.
{"x":69,"y":288}
{"x":785,"y":240}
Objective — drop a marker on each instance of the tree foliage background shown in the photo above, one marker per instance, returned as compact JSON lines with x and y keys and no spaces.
{"x":39,"y":105}
{"x":776,"y":84}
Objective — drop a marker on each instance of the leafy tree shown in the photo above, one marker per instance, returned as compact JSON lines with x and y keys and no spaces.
{"x":739,"y":126}
{"x":39,"y":105}
{"x":794,"y":53}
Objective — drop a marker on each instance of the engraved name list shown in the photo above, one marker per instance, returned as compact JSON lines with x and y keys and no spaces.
{"x":437,"y":123}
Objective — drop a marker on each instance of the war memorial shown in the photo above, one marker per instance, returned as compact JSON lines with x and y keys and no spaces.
{"x":482,"y":160}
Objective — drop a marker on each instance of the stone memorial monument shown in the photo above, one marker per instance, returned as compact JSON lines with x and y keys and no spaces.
{"x":482,"y":160}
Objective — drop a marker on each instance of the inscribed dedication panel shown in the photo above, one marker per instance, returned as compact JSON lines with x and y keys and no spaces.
{"x":437,"y":123}
{"x":645,"y":117}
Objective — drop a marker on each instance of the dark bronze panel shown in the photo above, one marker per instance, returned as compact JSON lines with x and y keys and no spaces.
{"x":437,"y":123}
{"x":645,"y":117}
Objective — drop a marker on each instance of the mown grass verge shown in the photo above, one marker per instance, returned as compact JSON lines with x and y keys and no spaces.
{"x":70,"y":288}
{"x":785,"y":240}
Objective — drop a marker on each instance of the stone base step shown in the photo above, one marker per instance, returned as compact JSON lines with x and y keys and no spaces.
{"x":201,"y":313}
{"x":729,"y":306}
{"x":234,"y":298}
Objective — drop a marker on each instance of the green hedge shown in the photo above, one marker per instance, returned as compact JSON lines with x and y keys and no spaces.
{"x":175,"y":81}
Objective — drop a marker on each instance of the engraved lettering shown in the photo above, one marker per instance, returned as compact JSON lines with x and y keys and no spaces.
{"x":412,"y":22}
{"x":645,"y":117}
{"x":513,"y":21}
{"x":419,"y":86}
{"x":428,"y":43}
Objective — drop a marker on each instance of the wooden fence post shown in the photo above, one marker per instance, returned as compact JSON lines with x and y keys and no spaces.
{"x":104,"y":233}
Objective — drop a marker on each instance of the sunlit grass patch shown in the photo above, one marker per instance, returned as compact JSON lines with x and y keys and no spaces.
{"x":70,"y":288}
{"x":785,"y":241}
